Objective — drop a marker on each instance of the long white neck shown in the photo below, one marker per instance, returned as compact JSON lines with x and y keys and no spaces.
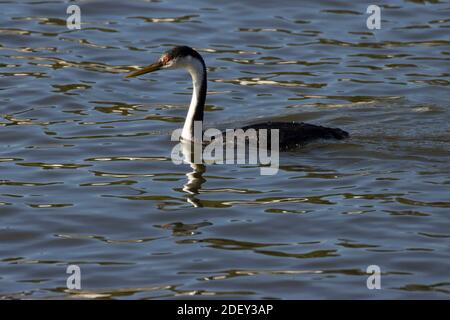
{"x":197,"y":70}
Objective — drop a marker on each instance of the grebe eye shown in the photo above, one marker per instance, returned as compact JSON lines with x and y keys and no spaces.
{"x":166,"y":58}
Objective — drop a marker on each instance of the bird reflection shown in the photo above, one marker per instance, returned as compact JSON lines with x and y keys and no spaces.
{"x":195,"y":177}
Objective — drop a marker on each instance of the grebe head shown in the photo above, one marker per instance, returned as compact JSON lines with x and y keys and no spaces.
{"x":180,"y":57}
{"x":183,"y":57}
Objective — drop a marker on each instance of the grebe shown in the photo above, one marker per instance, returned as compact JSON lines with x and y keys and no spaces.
{"x":291,"y":134}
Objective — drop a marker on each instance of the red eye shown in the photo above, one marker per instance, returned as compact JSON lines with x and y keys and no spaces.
{"x":166,"y":58}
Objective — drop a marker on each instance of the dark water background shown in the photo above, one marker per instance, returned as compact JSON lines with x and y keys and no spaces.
{"x":86,"y":176}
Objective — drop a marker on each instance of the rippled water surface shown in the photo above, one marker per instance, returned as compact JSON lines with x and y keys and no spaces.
{"x":87,"y":179}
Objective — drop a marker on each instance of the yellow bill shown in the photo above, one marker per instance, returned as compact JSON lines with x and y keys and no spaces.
{"x":153,"y":67}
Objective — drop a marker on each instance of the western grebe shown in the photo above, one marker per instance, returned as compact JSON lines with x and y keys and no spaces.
{"x":291,"y":134}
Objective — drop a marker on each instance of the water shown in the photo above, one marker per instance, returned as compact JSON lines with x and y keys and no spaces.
{"x":87,"y":179}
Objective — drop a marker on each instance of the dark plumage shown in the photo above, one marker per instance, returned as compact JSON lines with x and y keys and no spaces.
{"x":296,"y":134}
{"x":184,"y":51}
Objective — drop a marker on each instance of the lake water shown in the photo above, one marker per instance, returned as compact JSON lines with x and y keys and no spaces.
{"x":87,"y":179}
